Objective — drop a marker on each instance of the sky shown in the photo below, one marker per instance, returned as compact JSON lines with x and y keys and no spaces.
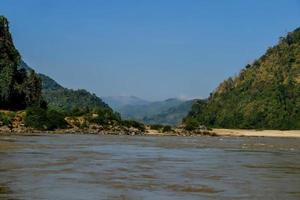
{"x":153,"y":49}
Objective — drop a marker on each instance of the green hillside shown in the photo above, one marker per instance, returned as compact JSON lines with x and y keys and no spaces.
{"x":265,"y":94}
{"x":64,"y":99}
{"x":171,"y":116}
{"x":18,"y":89}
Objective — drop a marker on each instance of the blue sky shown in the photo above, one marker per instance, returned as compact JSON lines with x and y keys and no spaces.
{"x":154,"y":49}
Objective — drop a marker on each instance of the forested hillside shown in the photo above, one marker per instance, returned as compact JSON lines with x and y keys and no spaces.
{"x":65,"y":99}
{"x":18,"y":88}
{"x":37,"y":101}
{"x":265,"y":94}
{"x":171,"y":116}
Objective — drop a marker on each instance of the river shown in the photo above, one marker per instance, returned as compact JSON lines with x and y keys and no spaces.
{"x":88,"y":167}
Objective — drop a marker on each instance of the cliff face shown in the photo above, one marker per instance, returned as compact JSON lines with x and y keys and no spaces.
{"x":266,"y":93}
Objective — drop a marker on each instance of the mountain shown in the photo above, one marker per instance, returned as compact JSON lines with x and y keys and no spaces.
{"x":18,"y":89}
{"x":171,"y":116}
{"x":265,"y":94}
{"x":65,"y":99}
{"x":117,"y":102}
{"x":168,"y":112}
{"x":48,"y":83}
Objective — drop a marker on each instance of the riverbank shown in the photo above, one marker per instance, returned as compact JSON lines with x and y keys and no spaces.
{"x":150,"y":132}
{"x":257,"y":133}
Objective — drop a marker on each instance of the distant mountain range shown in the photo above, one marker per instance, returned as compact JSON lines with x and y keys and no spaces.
{"x":171,"y":115}
{"x":116,"y":102}
{"x":168,"y":112}
{"x":64,"y":99}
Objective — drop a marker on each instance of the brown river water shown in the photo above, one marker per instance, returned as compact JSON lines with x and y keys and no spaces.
{"x":88,"y":167}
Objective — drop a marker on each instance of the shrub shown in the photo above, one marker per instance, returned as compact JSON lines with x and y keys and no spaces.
{"x":134,"y":124}
{"x":39,"y":118}
{"x":55,"y":120}
{"x":157,"y":127}
{"x":104,"y":116}
{"x":36,"y":118}
{"x":167,"y":129}
{"x":191,"y":124}
{"x":5,"y":119}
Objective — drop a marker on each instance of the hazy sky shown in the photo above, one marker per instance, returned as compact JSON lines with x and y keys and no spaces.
{"x":154,"y":49}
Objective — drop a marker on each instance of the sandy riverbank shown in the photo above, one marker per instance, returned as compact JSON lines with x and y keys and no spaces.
{"x":257,"y":133}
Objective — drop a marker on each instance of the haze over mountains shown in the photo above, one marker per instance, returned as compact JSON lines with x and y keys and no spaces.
{"x":116,"y":102}
{"x":168,"y":112}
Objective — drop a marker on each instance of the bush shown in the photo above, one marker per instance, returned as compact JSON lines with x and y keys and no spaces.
{"x":104,"y":116}
{"x":134,"y":124}
{"x":167,"y":129}
{"x":42,"y":119}
{"x":5,"y":119}
{"x":36,"y":118}
{"x":55,"y":120}
{"x":191,"y":124}
{"x":157,"y":127}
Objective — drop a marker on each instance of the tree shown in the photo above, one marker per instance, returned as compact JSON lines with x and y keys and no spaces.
{"x":33,"y":90}
{"x":18,"y":89}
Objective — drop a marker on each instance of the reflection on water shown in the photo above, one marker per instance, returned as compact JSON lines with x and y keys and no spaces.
{"x":115,"y":167}
{"x":6,"y":193}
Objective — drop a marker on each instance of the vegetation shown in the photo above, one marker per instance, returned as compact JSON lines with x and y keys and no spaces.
{"x":104,"y":116}
{"x":6,"y":119}
{"x":170,"y":116}
{"x":40,"y":118}
{"x":161,"y":128}
{"x":134,"y":124}
{"x":167,"y":129}
{"x":66,"y":100}
{"x":265,"y":95}
{"x":21,"y":88}
{"x":18,"y":89}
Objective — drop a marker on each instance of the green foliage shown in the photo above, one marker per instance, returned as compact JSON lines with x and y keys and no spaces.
{"x":6,"y":119}
{"x":167,"y":129}
{"x":191,"y":124}
{"x":33,"y":89}
{"x":39,"y":118}
{"x":36,"y":118}
{"x":161,"y":128}
{"x":68,"y":100}
{"x":157,"y":127}
{"x":55,"y":120}
{"x":134,"y":124}
{"x":104,"y":116}
{"x":17,"y":89}
{"x":265,"y":95}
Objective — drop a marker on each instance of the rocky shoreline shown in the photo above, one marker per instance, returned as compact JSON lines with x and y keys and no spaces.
{"x":98,"y":130}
